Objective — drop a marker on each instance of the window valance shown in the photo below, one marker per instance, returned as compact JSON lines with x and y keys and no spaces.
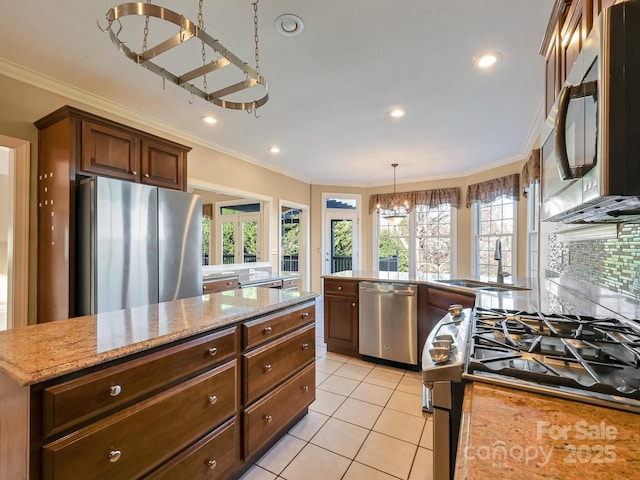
{"x":487,"y":192}
{"x":431,"y":198}
{"x":531,"y":171}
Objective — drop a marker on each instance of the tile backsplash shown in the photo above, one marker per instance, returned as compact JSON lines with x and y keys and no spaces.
{"x":611,"y":263}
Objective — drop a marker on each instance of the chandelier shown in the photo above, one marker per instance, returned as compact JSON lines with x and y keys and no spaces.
{"x":180,"y":30}
{"x":397,"y":213}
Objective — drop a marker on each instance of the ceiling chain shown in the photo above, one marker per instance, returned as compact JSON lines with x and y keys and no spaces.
{"x":255,"y":35}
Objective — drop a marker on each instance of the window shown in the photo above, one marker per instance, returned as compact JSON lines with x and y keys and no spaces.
{"x":240,"y":233}
{"x":341,"y":232}
{"x":421,"y":244}
{"x":434,"y":240}
{"x":290,"y":234}
{"x":393,"y":244}
{"x":495,"y":221}
{"x":206,"y":239}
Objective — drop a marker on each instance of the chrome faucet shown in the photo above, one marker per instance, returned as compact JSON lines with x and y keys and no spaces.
{"x":498,"y":256}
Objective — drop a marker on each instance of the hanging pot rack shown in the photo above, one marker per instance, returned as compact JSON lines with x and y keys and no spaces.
{"x":187,"y":31}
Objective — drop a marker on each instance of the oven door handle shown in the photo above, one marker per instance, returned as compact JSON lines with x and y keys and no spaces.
{"x":566,"y":171}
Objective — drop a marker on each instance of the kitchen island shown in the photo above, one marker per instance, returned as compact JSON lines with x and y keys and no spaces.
{"x":190,"y":385}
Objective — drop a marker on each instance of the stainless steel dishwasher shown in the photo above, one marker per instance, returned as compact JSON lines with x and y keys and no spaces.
{"x":388,"y":321}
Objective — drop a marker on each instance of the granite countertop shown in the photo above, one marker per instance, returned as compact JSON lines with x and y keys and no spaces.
{"x":40,"y":352}
{"x":508,"y":433}
{"x":552,"y":295}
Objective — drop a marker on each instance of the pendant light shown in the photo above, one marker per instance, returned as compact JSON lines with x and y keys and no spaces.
{"x":397,"y":213}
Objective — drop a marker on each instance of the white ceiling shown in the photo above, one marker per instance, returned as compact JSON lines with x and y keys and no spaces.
{"x":331,"y":87}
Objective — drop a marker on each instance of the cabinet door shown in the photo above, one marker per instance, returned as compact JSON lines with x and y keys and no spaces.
{"x":134,"y":440}
{"x":341,"y":324}
{"x":552,"y":77}
{"x":109,"y":151}
{"x":575,"y":32}
{"x":215,"y":457}
{"x":163,"y":165}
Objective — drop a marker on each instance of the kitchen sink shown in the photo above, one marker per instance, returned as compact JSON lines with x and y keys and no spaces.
{"x":486,"y":286}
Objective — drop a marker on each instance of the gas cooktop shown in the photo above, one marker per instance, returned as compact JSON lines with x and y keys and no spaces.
{"x":583,"y":358}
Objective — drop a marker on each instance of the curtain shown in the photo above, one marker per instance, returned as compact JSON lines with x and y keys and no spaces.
{"x":487,"y":192}
{"x":531,"y":171}
{"x":432,"y":198}
{"x":435,"y":198}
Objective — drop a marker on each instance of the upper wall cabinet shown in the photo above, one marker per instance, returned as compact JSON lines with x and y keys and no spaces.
{"x":568,"y":28}
{"x":117,"y":151}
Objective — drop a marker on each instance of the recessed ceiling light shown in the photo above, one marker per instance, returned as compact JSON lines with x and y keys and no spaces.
{"x":274,"y":149}
{"x":397,"y":113}
{"x":209,"y":119}
{"x":487,"y":60}
{"x":289,"y":25}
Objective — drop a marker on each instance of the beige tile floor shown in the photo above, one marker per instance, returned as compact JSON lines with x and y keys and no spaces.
{"x":366,"y":424}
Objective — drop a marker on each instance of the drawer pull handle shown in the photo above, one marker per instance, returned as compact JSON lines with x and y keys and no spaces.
{"x":133,"y":172}
{"x":305,"y":346}
{"x":305,"y":388}
{"x":353,"y":304}
{"x":213,"y":399}
{"x":305,"y":315}
{"x":146,"y":175}
{"x":268,"y":329}
{"x":114,"y":455}
{"x":213,"y":351}
{"x":268,"y":418}
{"x":229,"y":283}
{"x":115,"y":390}
{"x":340,"y":287}
{"x":267,"y":368}
{"x":212,"y":464}
{"x":204,"y":288}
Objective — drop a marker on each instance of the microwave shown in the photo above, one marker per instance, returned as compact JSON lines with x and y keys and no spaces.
{"x":590,"y":155}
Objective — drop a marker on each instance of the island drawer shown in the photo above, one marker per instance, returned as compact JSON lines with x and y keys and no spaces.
{"x":82,"y":398}
{"x":340,"y":287}
{"x":212,"y":458}
{"x":222,"y":285}
{"x":290,"y":284}
{"x":268,"y":416}
{"x":266,"y":328}
{"x":131,"y":441}
{"x":268,"y":365}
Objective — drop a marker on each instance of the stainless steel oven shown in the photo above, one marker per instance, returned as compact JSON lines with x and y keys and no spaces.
{"x":443,"y":360}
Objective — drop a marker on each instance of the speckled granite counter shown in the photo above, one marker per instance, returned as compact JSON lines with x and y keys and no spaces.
{"x":40,"y":352}
{"x":507,"y":433}
{"x":554,"y":295}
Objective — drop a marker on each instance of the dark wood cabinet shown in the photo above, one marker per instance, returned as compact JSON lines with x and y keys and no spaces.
{"x":221,"y":285}
{"x":109,"y":151}
{"x":341,"y":327}
{"x":73,"y":143}
{"x":278,"y":375}
{"x":163,"y":165}
{"x":204,"y":407}
{"x":569,"y":26}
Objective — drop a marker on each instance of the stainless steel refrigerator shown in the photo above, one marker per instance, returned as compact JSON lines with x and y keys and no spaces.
{"x":135,"y":245}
